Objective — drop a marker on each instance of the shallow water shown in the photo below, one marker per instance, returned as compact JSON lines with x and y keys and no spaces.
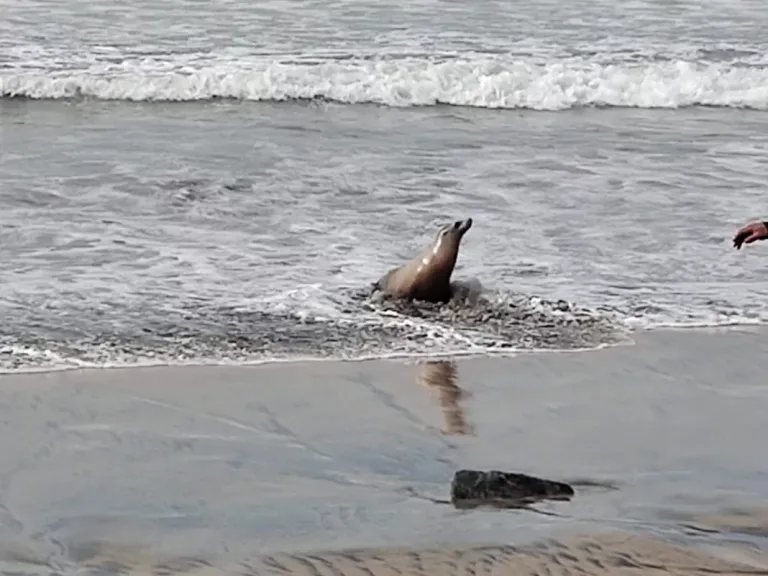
{"x":214,"y":231}
{"x":191,"y":183}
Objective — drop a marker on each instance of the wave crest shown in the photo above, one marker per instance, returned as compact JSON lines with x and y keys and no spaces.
{"x":478,"y":82}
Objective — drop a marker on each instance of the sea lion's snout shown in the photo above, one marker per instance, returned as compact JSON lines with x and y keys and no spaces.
{"x":463,"y":225}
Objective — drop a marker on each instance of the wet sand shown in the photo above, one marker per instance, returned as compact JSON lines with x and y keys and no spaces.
{"x":285,"y":468}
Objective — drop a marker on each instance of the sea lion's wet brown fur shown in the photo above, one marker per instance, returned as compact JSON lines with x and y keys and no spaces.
{"x":428,"y":276}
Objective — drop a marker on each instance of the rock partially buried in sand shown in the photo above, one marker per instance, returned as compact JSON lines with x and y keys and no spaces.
{"x":473,"y":488}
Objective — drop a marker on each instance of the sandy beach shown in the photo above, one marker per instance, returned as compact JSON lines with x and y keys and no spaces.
{"x":235,"y":466}
{"x":198,"y":199}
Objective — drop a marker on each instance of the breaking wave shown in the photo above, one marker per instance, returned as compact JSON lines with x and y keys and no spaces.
{"x":481,"y":81}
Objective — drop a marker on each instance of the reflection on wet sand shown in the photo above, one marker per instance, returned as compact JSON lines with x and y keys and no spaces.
{"x":292,"y":468}
{"x":599,"y":555}
{"x":441,"y":377}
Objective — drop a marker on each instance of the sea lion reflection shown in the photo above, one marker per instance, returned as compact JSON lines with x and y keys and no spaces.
{"x":441,"y":377}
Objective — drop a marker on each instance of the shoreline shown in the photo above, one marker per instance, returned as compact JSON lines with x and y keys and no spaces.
{"x":630,"y":340}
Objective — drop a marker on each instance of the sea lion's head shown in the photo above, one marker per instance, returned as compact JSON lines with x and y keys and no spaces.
{"x":445,"y":250}
{"x":458,"y":228}
{"x":451,"y":234}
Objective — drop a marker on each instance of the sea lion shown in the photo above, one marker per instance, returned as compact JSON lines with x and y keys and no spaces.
{"x":428,"y":276}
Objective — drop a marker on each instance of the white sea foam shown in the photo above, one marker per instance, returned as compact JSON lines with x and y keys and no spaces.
{"x":481,"y":81}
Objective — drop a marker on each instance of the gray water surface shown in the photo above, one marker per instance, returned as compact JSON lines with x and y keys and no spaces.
{"x":141,"y":232}
{"x":222,"y":182}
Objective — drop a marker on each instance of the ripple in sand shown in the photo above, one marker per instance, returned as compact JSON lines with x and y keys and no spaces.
{"x":597,"y":555}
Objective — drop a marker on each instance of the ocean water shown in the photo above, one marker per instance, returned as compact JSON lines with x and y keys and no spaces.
{"x":222,"y":181}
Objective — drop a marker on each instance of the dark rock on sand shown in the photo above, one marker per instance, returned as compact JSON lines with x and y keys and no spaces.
{"x":472,"y":488}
